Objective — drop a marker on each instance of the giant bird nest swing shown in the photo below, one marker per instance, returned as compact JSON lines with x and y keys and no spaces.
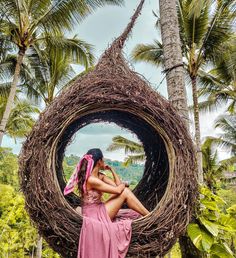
{"x":112,"y":92}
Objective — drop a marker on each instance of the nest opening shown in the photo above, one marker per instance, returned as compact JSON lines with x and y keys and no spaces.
{"x":154,"y":181}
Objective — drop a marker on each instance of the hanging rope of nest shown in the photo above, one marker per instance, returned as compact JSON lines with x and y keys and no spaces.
{"x":112,"y":92}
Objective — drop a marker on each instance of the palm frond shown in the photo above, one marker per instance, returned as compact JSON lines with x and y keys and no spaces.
{"x":210,"y":161}
{"x":193,"y":22}
{"x":150,"y":53}
{"x":70,"y":82}
{"x":7,"y":68}
{"x":232,"y":107}
{"x":63,"y":14}
{"x":226,"y":164}
{"x":21,"y":118}
{"x":8,"y":10}
{"x":226,"y":123}
{"x":79,"y":51}
{"x":228,"y":138}
{"x":220,"y":29}
{"x":5,"y":89}
{"x":120,"y":142}
{"x":134,"y":159}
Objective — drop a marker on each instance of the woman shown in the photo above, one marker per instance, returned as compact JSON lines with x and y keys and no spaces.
{"x":106,"y":229}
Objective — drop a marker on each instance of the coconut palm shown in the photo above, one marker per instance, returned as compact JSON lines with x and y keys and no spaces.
{"x":136,"y":149}
{"x":204,"y":27}
{"x":21,"y":119}
{"x":173,"y":58}
{"x":53,"y":70}
{"x":227,"y":139}
{"x":33,"y":24}
{"x":212,"y":170}
{"x":219,"y":84}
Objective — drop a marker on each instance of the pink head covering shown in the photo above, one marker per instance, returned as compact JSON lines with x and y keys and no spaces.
{"x":74,"y":177}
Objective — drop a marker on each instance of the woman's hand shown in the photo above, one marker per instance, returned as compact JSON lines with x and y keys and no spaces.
{"x":108,"y":167}
{"x":115,"y":176}
{"x":122,"y":187}
{"x":126,"y":183}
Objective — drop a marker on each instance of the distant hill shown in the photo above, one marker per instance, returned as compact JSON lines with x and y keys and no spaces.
{"x":132,"y":173}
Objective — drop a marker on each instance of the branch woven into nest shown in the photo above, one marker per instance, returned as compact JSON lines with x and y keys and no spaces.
{"x":112,"y":92}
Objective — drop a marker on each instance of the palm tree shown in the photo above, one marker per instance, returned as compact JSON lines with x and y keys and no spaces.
{"x":173,"y":57}
{"x":7,"y":68}
{"x":136,"y":149}
{"x":227,"y":139}
{"x":211,"y":167}
{"x":204,"y":27}
{"x":219,"y":84}
{"x":21,"y":118}
{"x":34,"y":24}
{"x":210,"y":170}
{"x":53,"y":71}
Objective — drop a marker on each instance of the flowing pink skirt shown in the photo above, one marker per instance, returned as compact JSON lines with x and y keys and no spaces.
{"x":101,"y":237}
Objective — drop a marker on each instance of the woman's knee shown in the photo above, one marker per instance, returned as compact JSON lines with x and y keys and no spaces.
{"x":126,"y":192}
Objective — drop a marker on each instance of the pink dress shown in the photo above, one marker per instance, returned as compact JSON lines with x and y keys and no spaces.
{"x":101,"y":237}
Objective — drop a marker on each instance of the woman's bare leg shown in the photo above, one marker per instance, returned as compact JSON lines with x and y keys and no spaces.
{"x":115,"y":202}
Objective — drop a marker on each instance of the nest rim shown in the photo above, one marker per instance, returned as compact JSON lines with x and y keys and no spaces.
{"x":160,"y":131}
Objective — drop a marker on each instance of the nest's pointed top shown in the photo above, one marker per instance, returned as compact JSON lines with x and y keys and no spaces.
{"x":122,"y":38}
{"x":114,"y":51}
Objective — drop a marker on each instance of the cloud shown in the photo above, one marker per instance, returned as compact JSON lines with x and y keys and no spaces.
{"x":99,"y":135}
{"x":103,"y":128}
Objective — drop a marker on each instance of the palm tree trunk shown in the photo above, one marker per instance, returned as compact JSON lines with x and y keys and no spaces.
{"x":188,"y":250}
{"x":197,"y":129}
{"x":175,"y":80}
{"x":10,"y":100}
{"x":39,"y":247}
{"x":173,"y":59}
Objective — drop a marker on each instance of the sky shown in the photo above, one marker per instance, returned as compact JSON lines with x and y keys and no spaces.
{"x":100,"y":29}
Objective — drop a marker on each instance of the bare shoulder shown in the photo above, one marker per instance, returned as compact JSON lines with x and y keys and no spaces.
{"x":93,"y":180}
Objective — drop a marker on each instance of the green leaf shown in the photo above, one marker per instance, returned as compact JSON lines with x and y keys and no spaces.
{"x":227,"y":222}
{"x":232,"y":210}
{"x":221,"y":250}
{"x":207,"y":240}
{"x":195,"y":234}
{"x":200,"y":237}
{"x":210,"y":216}
{"x":210,"y":226}
{"x":210,"y":205}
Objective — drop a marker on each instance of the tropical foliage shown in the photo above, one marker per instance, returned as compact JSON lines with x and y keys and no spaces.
{"x":214,"y":230}
{"x":206,"y":30}
{"x":227,"y":139}
{"x":31,"y":26}
{"x":18,"y":237}
{"x":135,"y":149}
{"x":52,"y":67}
{"x":21,"y":119}
{"x":213,"y":169}
{"x":219,"y":84}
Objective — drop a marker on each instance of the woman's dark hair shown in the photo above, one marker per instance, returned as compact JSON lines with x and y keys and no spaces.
{"x":97,"y":155}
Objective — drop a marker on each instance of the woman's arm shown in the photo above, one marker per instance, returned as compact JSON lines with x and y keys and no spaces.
{"x":115,"y":176}
{"x":104,"y":187}
{"x":107,"y":180}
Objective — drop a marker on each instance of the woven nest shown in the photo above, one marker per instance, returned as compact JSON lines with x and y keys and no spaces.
{"x":112,"y":92}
